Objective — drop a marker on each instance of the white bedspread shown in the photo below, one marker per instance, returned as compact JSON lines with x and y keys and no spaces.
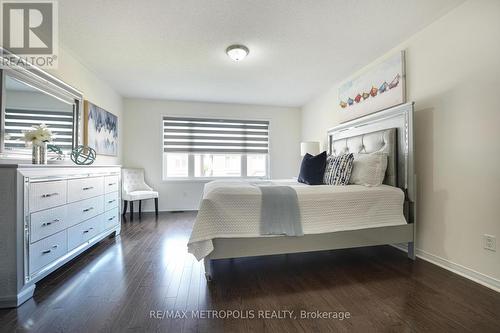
{"x":231,"y":209}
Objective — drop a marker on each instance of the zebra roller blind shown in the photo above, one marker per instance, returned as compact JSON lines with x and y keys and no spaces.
{"x":18,"y":120}
{"x":202,"y":135}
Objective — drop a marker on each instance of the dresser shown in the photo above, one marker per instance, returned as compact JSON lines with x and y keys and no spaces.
{"x":49,"y":215}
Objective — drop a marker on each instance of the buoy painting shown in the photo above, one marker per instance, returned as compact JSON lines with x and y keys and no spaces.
{"x":377,"y":88}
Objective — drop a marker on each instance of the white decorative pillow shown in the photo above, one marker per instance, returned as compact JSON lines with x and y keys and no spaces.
{"x":368,"y":169}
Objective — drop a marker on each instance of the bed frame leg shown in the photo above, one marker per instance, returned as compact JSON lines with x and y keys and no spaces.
{"x":208,"y":269}
{"x":411,"y":250}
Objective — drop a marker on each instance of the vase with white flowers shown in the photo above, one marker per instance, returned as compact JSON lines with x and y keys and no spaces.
{"x":39,"y":136}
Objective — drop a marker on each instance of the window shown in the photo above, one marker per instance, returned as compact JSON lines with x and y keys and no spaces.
{"x":176,"y":165}
{"x":212,"y":148}
{"x":217,"y":165}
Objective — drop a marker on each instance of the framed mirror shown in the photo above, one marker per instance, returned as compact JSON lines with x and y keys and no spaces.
{"x":30,"y":96}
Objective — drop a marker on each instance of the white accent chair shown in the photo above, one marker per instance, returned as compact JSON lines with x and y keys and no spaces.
{"x":134,"y":188}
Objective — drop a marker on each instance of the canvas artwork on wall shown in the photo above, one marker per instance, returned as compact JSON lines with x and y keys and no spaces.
{"x":379,"y":87}
{"x":100,"y":130}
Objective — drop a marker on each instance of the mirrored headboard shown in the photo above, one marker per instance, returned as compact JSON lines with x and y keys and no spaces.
{"x":30,"y":96}
{"x":389,"y":131}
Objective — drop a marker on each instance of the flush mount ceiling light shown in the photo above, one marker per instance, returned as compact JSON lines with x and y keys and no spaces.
{"x":237,"y":52}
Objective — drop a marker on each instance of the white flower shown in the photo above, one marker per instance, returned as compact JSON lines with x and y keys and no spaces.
{"x":38,"y":135}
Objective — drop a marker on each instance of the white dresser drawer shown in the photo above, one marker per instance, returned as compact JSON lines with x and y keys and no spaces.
{"x":48,"y":222}
{"x":110,"y":201}
{"x":111,"y":184}
{"x":83,"y":210}
{"x":47,"y":250}
{"x":45,"y":195}
{"x":111,"y":218}
{"x":84,"y":231}
{"x":79,"y":189}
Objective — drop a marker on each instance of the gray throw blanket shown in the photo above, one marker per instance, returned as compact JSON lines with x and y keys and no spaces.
{"x":280,"y":213}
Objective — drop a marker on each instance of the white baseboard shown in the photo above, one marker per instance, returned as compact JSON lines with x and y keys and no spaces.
{"x":468,"y":273}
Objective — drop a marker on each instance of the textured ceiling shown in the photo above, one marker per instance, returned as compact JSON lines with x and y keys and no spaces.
{"x":175,"y":49}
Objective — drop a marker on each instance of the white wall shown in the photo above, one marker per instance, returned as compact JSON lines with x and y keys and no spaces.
{"x":143,"y":142}
{"x":453,"y":75}
{"x":74,"y":73}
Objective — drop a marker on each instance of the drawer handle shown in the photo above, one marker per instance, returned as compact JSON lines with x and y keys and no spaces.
{"x":50,"y":250}
{"x":88,"y":230}
{"x":51,"y":222}
{"x":111,"y":218}
{"x":111,"y":201}
{"x":88,"y":188}
{"x":48,"y":195}
{"x":88,"y":209}
{"x":111,"y":184}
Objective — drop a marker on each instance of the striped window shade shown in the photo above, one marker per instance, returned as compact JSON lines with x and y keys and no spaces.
{"x":19,"y":120}
{"x":202,"y":135}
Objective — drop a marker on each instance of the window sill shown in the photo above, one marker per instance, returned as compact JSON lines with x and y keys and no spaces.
{"x":209,"y":179}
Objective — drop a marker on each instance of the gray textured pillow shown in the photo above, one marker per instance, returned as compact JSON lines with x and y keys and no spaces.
{"x":338,"y":169}
{"x":368,"y":169}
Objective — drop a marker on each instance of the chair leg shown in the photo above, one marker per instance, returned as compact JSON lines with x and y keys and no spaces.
{"x":140,"y":208}
{"x":411,"y":250}
{"x":125,"y":202}
{"x":131,"y":210}
{"x":156,"y":206}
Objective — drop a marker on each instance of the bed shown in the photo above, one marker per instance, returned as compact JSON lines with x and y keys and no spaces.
{"x":331,"y":217}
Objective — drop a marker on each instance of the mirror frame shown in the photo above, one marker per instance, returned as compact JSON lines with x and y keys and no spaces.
{"x":17,"y":68}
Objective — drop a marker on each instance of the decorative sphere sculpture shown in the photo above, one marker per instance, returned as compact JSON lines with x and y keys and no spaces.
{"x":57,"y":150}
{"x":82,"y":155}
{"x":54,"y":149}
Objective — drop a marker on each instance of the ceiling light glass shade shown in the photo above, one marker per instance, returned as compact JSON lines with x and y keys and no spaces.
{"x":237,"y":52}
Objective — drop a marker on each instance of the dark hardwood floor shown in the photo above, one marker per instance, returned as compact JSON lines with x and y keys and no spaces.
{"x":117,"y":285}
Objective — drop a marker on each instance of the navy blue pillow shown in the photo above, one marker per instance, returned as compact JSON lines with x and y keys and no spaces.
{"x":312,"y":169}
